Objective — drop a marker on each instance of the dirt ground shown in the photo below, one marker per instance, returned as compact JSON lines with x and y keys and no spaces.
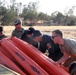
{"x":68,"y":31}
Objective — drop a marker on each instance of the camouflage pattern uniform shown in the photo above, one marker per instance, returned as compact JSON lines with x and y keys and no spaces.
{"x":17,"y":33}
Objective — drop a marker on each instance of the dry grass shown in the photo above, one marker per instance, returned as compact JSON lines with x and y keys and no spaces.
{"x":68,"y":31}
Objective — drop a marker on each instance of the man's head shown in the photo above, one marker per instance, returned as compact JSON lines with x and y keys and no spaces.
{"x":37,"y":36}
{"x":18,"y":23}
{"x":56,"y":35}
{"x":31,"y":29}
{"x":27,"y":33}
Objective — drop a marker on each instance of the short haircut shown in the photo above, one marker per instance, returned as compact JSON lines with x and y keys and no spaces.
{"x":31,"y":29}
{"x":58,"y":32}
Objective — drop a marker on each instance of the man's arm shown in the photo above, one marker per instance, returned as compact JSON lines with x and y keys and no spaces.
{"x":63,"y":59}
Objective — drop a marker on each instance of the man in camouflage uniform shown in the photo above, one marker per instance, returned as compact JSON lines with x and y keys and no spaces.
{"x":18,"y":31}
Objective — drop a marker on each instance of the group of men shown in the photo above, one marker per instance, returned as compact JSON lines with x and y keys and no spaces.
{"x":61,"y":50}
{"x":37,"y":39}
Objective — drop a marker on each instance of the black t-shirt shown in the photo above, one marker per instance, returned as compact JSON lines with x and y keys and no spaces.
{"x":43,"y":44}
{"x":54,"y":52}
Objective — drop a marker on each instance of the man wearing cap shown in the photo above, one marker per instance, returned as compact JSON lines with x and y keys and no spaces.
{"x":26,"y":36}
{"x":44,"y":41}
{"x":2,"y":35}
{"x":18,"y":31}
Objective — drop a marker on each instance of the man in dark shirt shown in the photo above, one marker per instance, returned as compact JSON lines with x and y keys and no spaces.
{"x":19,"y":30}
{"x":26,"y":37}
{"x":54,"y":51}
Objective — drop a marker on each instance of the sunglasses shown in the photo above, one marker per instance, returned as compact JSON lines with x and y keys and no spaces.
{"x":54,"y":36}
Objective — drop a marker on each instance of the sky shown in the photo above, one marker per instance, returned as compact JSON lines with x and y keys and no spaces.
{"x":50,"y":6}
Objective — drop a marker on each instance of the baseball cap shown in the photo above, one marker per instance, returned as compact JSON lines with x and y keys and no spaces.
{"x":36,"y":33}
{"x":17,"y":21}
{"x":31,"y":29}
